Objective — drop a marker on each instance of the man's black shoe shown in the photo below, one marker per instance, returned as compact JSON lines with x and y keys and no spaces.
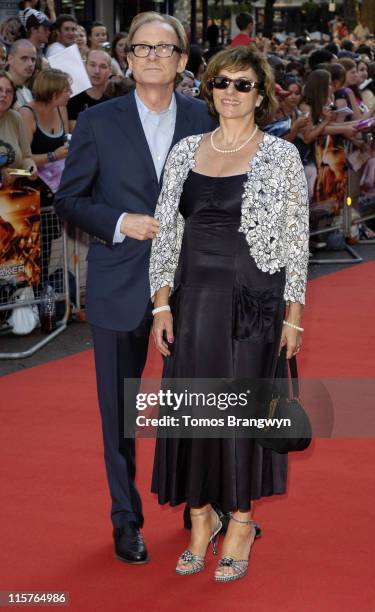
{"x":129,"y":544}
{"x":224,"y":517}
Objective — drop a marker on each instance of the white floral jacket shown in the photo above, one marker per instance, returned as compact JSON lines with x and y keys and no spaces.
{"x":274,"y":214}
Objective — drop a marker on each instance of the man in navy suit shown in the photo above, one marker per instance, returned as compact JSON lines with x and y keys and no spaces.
{"x":109,"y":188}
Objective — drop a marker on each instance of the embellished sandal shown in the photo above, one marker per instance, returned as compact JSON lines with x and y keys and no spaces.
{"x":195,"y":563}
{"x":239,"y":566}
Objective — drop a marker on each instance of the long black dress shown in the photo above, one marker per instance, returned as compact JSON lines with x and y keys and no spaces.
{"x":228,"y":319}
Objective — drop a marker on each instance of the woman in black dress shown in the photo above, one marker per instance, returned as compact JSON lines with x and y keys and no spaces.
{"x":233,"y":248}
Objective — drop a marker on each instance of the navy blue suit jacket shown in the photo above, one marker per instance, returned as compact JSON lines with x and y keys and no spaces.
{"x":109,"y":170}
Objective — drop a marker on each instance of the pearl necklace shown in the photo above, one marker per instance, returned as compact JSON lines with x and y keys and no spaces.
{"x":231,"y":150}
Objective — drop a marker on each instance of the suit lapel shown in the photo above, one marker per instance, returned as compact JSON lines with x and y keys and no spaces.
{"x":132,"y":126}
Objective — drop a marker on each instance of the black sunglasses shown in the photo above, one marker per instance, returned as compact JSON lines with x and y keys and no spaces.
{"x":242,"y":85}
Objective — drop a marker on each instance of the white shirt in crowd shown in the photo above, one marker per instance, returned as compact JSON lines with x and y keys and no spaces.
{"x":24,"y":95}
{"x":56,"y":47}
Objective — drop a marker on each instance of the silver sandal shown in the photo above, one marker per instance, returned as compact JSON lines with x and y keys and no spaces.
{"x":239,"y":566}
{"x":196,"y":562}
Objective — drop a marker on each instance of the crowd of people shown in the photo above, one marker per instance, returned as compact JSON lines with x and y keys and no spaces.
{"x":324,"y":89}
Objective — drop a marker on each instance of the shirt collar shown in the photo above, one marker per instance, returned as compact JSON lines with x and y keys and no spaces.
{"x":145,"y":112}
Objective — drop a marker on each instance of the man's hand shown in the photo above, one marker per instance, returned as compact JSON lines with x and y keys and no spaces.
{"x":139,"y":227}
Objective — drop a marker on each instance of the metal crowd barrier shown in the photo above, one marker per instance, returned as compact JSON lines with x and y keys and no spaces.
{"x":53,"y":271}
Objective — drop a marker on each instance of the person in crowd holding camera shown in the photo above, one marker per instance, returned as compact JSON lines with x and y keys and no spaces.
{"x":233,"y":245}
{"x":366,"y":94}
{"x":109,"y":189}
{"x":12,"y":133}
{"x":355,"y":101}
{"x":98,"y":36}
{"x":98,"y":66}
{"x":186,"y":85}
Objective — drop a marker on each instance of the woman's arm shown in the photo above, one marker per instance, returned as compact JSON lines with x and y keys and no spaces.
{"x":166,"y":246}
{"x":163,"y":322}
{"x":296,"y":241}
{"x":27,"y":159}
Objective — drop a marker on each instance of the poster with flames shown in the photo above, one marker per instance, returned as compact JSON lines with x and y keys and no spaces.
{"x":19,"y":235}
{"x":328,"y":182}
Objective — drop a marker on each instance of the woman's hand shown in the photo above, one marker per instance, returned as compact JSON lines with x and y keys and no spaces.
{"x":292,"y":339}
{"x":163,"y":326}
{"x":328,"y":115}
{"x":7,"y":178}
{"x":301,"y":122}
{"x":61,"y":152}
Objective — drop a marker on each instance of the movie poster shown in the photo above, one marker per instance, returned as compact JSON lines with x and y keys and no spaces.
{"x":19,"y":235}
{"x":331,"y":176}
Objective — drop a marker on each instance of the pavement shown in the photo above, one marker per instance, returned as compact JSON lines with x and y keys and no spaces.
{"x":77,"y":337}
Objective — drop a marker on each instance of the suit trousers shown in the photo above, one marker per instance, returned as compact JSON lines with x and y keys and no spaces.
{"x":120,"y":355}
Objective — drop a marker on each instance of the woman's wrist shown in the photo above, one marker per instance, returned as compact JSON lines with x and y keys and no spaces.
{"x":162,"y":308}
{"x":293,"y":326}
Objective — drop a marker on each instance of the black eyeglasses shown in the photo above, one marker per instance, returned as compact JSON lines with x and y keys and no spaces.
{"x":161,"y":50}
{"x":242,"y":85}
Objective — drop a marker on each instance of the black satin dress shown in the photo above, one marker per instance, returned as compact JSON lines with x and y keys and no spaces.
{"x":228,"y":318}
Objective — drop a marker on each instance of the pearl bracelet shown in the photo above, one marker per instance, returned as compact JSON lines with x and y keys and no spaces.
{"x":165,"y":308}
{"x":301,"y":329}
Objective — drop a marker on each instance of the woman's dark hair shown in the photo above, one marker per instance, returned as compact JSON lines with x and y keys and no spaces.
{"x":5,"y":75}
{"x":243,"y":58}
{"x":95,"y":24}
{"x":315,"y":92}
{"x":336,"y":70}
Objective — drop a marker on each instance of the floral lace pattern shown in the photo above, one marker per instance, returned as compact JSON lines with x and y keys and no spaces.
{"x":274,"y":214}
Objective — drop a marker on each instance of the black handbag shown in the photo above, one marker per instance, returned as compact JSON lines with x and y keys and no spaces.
{"x":297,"y":436}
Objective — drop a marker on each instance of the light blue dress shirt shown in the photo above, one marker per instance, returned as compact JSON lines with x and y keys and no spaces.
{"x":159,"y":129}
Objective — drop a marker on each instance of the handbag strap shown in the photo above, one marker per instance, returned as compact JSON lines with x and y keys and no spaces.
{"x":282,"y":372}
{"x":294,"y":375}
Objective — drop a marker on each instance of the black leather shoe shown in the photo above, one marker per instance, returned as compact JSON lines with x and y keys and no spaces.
{"x":129,"y":545}
{"x":223,"y":516}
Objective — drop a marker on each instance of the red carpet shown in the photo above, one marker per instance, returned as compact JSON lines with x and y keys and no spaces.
{"x":317,"y":549}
